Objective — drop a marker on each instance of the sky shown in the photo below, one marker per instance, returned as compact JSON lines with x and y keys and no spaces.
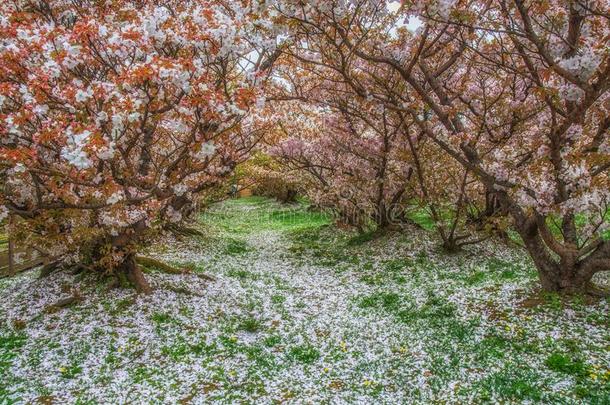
{"x":412,"y":24}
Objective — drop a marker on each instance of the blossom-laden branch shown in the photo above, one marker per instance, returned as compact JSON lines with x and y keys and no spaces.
{"x":114,"y":115}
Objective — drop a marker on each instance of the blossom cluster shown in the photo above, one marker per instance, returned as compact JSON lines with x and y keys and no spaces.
{"x":118,"y":111}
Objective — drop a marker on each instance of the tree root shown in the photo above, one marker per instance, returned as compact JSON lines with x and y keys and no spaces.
{"x":205,"y":277}
{"x":149,"y":262}
{"x":181,"y":290}
{"x":596,"y":291}
{"x":64,"y":302}
{"x":159,"y":265}
{"x":136,"y":278}
{"x":591,"y":294}
{"x":183,"y":230}
{"x":48,"y":269}
{"x":81,"y":268}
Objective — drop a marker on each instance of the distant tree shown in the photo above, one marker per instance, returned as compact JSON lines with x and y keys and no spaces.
{"x":401,"y":166}
{"x":353,"y":157}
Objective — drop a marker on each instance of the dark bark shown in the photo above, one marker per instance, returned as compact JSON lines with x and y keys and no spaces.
{"x":492,"y":208}
{"x":129,"y":270}
{"x":555,"y":275}
{"x":451,"y":246}
{"x":381,"y":217}
{"x":562,"y":267}
{"x":133,"y":273}
{"x":289,"y":196}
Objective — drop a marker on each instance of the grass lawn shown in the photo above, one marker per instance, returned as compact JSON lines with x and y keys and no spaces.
{"x":302,"y":312}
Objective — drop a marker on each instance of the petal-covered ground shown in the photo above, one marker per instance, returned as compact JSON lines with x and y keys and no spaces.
{"x":301,"y":312}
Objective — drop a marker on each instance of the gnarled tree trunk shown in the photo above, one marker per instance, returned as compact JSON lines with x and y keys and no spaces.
{"x":133,"y":273}
{"x":129,"y":269}
{"x":563,"y":266}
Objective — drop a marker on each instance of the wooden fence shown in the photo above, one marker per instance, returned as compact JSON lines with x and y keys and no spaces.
{"x":23,"y":258}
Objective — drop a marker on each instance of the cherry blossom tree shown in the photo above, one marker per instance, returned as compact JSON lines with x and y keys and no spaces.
{"x":321,"y":71}
{"x":518,"y":93}
{"x":354,"y":160}
{"x":450,"y":194}
{"x":265,"y":176}
{"x":531,"y":119}
{"x":113,"y":115}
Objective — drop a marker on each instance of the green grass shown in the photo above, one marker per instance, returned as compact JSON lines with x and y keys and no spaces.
{"x":397,"y":265}
{"x":228,"y":225}
{"x":278,"y":299}
{"x":71,"y":371}
{"x":311,"y":235}
{"x":181,"y":349}
{"x":304,"y":354}
{"x":435,"y":310}
{"x":242,"y":274}
{"x":565,"y":363}
{"x":9,"y":347}
{"x":236,"y":247}
{"x":406,"y":313}
{"x":362,"y":238}
{"x":250,"y":324}
{"x":272,"y":341}
{"x":324,"y":243}
{"x":422,"y":218}
{"x":511,"y":384}
{"x":262,"y":214}
{"x":162,"y":318}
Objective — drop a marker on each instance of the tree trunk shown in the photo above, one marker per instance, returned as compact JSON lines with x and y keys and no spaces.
{"x":563,"y":280}
{"x":11,"y":247}
{"x":288,"y":196}
{"x":555,"y":276}
{"x":566,"y":271}
{"x":450,"y":245}
{"x":134,"y":275}
{"x":492,"y":208}
{"x":381,"y":216}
